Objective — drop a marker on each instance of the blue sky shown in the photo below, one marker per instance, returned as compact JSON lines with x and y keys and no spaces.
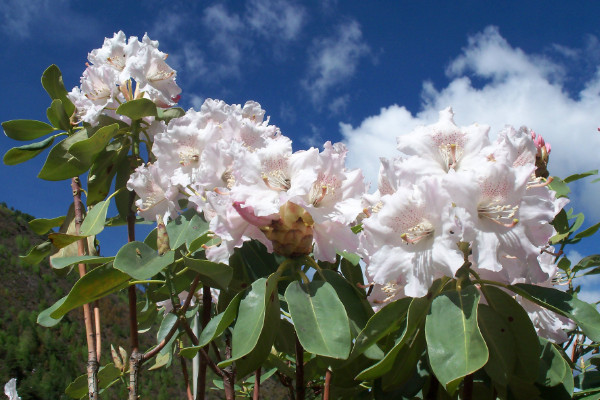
{"x":359,"y":71}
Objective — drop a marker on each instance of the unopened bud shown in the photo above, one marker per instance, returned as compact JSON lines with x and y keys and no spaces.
{"x":162,"y":237}
{"x":292,"y":233}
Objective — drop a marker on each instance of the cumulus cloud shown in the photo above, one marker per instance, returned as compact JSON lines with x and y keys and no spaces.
{"x":518,"y":89}
{"x":333,"y":60}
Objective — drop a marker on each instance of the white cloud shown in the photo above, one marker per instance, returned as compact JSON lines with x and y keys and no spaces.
{"x":519,"y":89}
{"x":275,"y":18}
{"x":334,"y":59}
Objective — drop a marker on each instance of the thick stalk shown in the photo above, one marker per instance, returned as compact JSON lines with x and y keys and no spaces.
{"x":135,"y":360}
{"x":229,"y":376}
{"x":92,"y":364}
{"x":327,"y":384}
{"x":98,"y":330}
{"x":186,"y":378}
{"x":206,"y":307}
{"x":299,"y":371}
{"x":256,"y":392}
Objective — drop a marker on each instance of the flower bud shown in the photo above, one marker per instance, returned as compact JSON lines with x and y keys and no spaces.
{"x":292,"y":233}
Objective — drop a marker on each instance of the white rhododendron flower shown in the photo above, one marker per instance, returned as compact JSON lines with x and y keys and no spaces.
{"x":120,"y":71}
{"x":157,"y":195}
{"x":413,"y":238}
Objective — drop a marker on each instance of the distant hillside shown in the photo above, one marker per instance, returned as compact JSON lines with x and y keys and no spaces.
{"x":46,"y":360}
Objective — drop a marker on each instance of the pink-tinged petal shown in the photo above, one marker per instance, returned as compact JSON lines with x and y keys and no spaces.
{"x":332,"y":237}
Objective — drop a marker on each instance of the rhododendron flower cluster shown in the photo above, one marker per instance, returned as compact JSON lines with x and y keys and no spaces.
{"x":241,"y":173}
{"x":123,"y":70}
{"x":452,"y":185}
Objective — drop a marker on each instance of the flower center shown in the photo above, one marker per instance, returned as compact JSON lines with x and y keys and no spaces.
{"x":188,"y":155}
{"x":499,"y":213}
{"x":417,"y":233}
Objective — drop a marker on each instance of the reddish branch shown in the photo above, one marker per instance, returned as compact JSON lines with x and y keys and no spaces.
{"x":256,"y":393}
{"x":206,"y":307}
{"x":135,"y":360}
{"x":186,"y":378}
{"x":327,"y":384}
{"x":92,"y":364}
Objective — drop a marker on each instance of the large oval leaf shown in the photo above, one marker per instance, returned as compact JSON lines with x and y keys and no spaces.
{"x":319,"y":318}
{"x":58,"y":116}
{"x":137,"y":109}
{"x":186,"y":228}
{"x":415,"y":318}
{"x":94,"y":285}
{"x":584,"y":314}
{"x":41,"y":226}
{"x":52,"y":82}
{"x":211,"y":274}
{"x":87,"y":150}
{"x":140,"y":261}
{"x":455,"y":345}
{"x":20,"y":154}
{"x":500,"y":343}
{"x":381,"y":324}
{"x":94,"y":221}
{"x":251,"y":316}
{"x":26,"y":129}
{"x":215,"y":327}
{"x":60,"y":164}
{"x":62,"y":262}
{"x":524,"y":334}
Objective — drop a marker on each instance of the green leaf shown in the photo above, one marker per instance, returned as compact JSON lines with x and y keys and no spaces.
{"x":53,"y":84}
{"x":93,"y":223}
{"x":500,"y":343}
{"x":26,"y":129}
{"x":41,"y":226}
{"x":59,"y":263}
{"x":58,"y":116}
{"x":589,"y":379}
{"x":354,"y":300}
{"x":405,"y":363}
{"x":588,"y":232}
{"x":44,"y":318}
{"x":186,"y":228}
{"x":165,"y":326}
{"x":584,"y":314}
{"x":385,"y":321}
{"x":575,"y":177}
{"x":416,"y":315}
{"x":587,"y":262}
{"x":20,"y":154}
{"x":61,"y":240}
{"x":137,"y":109}
{"x":140,"y":261}
{"x":524,"y":334}
{"x":259,"y":354}
{"x":169,"y":113}
{"x":107,"y":375}
{"x":552,"y":365}
{"x":215,"y":327}
{"x":102,"y":172}
{"x":212,"y":274}
{"x":251,"y":315}
{"x":320,"y":318}
{"x":455,"y":345}
{"x":560,"y":187}
{"x":37,"y":253}
{"x":87,"y":150}
{"x":94,"y":285}
{"x":60,"y":164}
